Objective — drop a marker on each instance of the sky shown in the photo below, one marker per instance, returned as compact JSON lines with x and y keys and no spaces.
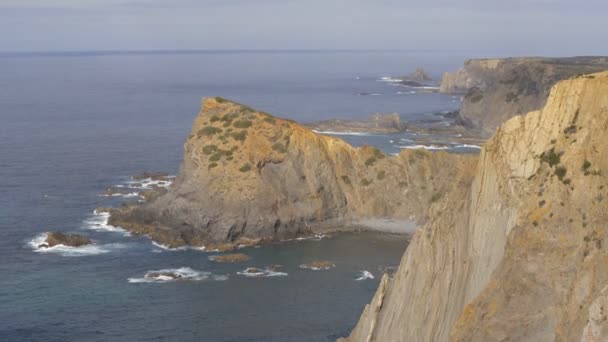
{"x":515,"y":27}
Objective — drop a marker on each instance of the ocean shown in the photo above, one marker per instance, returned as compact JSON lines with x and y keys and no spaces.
{"x":73,"y":124}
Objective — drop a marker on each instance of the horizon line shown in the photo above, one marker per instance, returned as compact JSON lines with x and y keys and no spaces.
{"x":68,"y":53}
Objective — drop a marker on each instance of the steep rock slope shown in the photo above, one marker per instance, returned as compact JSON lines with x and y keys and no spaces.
{"x":498,"y":89}
{"x":522,"y":257}
{"x":248,"y":176}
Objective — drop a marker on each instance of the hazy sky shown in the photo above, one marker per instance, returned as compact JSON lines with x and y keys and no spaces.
{"x":549,"y":27}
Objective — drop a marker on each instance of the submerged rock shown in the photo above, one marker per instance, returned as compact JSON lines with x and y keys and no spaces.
{"x":156,"y":176}
{"x":230,"y":258}
{"x":318,"y":265}
{"x":70,"y":240}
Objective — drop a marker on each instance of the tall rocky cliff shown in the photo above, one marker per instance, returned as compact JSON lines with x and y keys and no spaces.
{"x":248,"y":176}
{"x":498,"y":89}
{"x":523,"y":256}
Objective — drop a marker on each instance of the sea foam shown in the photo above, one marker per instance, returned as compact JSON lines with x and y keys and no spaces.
{"x":177,"y":274}
{"x":71,"y":251}
{"x":364,"y":275}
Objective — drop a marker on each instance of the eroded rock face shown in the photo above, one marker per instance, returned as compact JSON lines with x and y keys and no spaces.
{"x":248,"y":176}
{"x":522,"y":256}
{"x":498,"y":89}
{"x":70,"y":240}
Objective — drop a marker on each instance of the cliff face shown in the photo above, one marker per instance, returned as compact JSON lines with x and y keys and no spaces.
{"x":248,"y":176}
{"x":498,"y":89}
{"x":521,"y":257}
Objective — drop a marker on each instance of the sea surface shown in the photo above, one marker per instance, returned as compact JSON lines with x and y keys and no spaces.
{"x":73,"y":124}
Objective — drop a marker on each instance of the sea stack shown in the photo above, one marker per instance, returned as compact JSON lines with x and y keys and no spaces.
{"x":249,"y":177}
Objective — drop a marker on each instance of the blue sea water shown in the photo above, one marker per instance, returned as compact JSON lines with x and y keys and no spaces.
{"x":73,"y":124}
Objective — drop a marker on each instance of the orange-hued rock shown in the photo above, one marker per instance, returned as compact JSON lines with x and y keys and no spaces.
{"x":499,"y":89}
{"x":525,"y":256}
{"x":249,"y":176}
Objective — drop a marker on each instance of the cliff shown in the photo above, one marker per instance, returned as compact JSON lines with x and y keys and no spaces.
{"x":249,"y":177}
{"x":498,"y":89}
{"x":522,"y":256}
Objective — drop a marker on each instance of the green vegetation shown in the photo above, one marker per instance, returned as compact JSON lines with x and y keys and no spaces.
{"x":346,"y":180}
{"x":370,"y":161}
{"x":208,"y":131}
{"x":245,"y":168}
{"x":215,"y":157}
{"x":381,"y":175}
{"x":436,"y":197}
{"x":551,"y":157}
{"x":270,"y":120}
{"x":279,"y":148}
{"x":240,"y":136}
{"x":209,"y":149}
{"x":366,"y":182}
{"x":214,"y":118}
{"x":227,"y":123}
{"x":476,"y":98}
{"x":586,"y":165}
{"x":220,"y":99}
{"x":212,"y":165}
{"x":560,"y":172}
{"x":242,"y":124}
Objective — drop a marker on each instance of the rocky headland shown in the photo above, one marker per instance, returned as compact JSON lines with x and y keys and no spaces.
{"x":497,"y":89}
{"x":376,"y":123}
{"x":249,"y":177}
{"x":521,"y":254}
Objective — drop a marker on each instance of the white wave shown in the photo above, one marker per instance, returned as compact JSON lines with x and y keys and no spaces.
{"x":316,"y":237}
{"x":426,"y":147}
{"x":469,"y":146}
{"x":341,"y":133}
{"x":70,"y":251}
{"x":363,"y":275}
{"x":315,"y":268}
{"x":177,"y":274}
{"x":182,"y":248}
{"x":149,"y":183}
{"x":258,"y":272}
{"x":389,"y":79}
{"x":99,"y":222}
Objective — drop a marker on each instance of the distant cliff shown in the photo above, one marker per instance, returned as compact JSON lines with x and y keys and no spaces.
{"x":521,"y":255}
{"x":498,"y":89}
{"x":248,"y":176}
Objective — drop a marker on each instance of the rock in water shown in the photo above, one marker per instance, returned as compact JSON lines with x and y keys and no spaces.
{"x":498,"y":89}
{"x":249,"y":177}
{"x":231,"y":258}
{"x":521,"y":256}
{"x":70,"y":240}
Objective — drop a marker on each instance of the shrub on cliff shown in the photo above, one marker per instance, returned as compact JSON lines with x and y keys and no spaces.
{"x":242,"y":124}
{"x":245,"y":168}
{"x":240,"y":136}
{"x":208,"y":131}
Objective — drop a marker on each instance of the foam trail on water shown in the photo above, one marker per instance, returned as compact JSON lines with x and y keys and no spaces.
{"x":257,"y":273}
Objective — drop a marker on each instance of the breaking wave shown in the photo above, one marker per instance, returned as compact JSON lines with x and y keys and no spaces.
{"x":364,"y":275}
{"x":177,"y":274}
{"x":69,"y":251}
